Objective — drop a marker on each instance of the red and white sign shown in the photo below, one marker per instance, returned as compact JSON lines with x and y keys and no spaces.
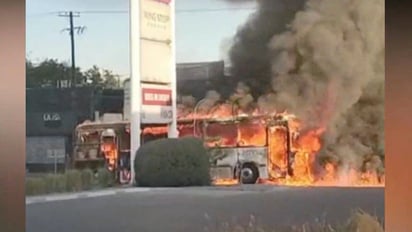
{"x":156,"y":104}
{"x":156,"y":97}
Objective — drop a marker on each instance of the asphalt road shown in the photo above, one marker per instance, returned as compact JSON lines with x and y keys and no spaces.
{"x":194,"y":209}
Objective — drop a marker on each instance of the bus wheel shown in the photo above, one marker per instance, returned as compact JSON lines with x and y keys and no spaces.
{"x":249,"y":173}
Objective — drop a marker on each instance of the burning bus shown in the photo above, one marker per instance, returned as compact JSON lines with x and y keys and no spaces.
{"x":98,"y":144}
{"x":105,"y":144}
{"x":241,"y":148}
{"x":245,"y":148}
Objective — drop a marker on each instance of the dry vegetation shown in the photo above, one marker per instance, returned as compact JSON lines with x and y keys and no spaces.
{"x":70,"y":181}
{"x":358,"y":222}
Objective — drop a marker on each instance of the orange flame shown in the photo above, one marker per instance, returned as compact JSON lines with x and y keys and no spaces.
{"x":304,"y":145}
{"x":225,"y":182}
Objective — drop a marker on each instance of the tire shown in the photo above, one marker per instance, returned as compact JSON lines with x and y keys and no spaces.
{"x":249,"y":174}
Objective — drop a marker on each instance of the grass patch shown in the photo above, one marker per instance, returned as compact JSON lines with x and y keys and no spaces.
{"x":55,"y":183}
{"x":73,"y":181}
{"x":358,"y":222}
{"x":87,"y":179}
{"x":35,"y":186}
{"x":70,"y":181}
{"x":104,"y":178}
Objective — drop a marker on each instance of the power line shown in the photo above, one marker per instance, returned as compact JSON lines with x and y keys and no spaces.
{"x":177,"y":11}
{"x":105,"y":12}
{"x":198,"y":10}
{"x":214,"y":10}
{"x":43,"y":14}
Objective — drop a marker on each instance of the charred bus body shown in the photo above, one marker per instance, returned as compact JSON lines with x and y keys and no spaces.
{"x":241,"y":148}
{"x":246,"y":148}
{"x":105,"y":144}
{"x":98,"y":144}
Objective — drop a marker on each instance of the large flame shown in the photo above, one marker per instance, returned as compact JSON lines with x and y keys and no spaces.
{"x":305,"y":145}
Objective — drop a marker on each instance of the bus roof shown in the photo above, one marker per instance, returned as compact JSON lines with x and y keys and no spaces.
{"x":234,"y":118}
{"x":99,"y":124}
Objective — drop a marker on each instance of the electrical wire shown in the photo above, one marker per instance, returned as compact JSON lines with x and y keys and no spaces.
{"x":199,"y":10}
{"x":177,"y":11}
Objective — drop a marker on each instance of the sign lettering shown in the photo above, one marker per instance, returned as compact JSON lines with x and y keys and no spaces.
{"x":159,"y":97}
{"x":47,"y":117}
{"x":155,"y":20}
{"x":156,"y":17}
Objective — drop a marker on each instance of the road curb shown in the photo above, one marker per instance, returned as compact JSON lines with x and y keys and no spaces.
{"x":82,"y":195}
{"x":128,"y":190}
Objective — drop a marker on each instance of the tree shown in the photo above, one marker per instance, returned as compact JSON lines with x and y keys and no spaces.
{"x":111,"y":81}
{"x":102,"y":78}
{"x":94,"y":77}
{"x":47,"y":73}
{"x":50,"y":72}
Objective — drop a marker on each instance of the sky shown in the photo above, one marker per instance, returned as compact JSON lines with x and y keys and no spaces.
{"x":202,"y":33}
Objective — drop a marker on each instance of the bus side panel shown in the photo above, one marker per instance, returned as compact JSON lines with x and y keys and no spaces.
{"x":225,"y":172}
{"x":224,"y":160}
{"x":256,"y":155}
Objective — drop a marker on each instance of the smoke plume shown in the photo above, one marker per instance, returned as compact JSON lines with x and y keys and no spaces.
{"x":250,"y":56}
{"x":324,"y":61}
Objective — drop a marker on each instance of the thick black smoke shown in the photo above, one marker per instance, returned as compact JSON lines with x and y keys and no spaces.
{"x":250,"y":56}
{"x":324,"y":61}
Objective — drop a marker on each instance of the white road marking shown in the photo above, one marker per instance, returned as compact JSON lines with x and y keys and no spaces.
{"x":101,"y":194}
{"x":31,"y":201}
{"x":207,"y":191}
{"x":81,"y":195}
{"x":61,"y":198}
{"x":134,"y":190}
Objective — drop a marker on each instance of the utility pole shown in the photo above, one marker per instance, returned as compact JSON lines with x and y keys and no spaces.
{"x":71,"y":29}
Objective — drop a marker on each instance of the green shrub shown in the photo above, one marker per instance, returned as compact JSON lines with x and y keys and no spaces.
{"x":87,"y":176}
{"x":105,"y":178}
{"x":55,"y":183}
{"x":73,"y":181}
{"x":35,"y":186}
{"x":172,"y":163}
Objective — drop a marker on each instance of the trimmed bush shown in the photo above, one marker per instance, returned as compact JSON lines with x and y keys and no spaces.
{"x":172,"y":163}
